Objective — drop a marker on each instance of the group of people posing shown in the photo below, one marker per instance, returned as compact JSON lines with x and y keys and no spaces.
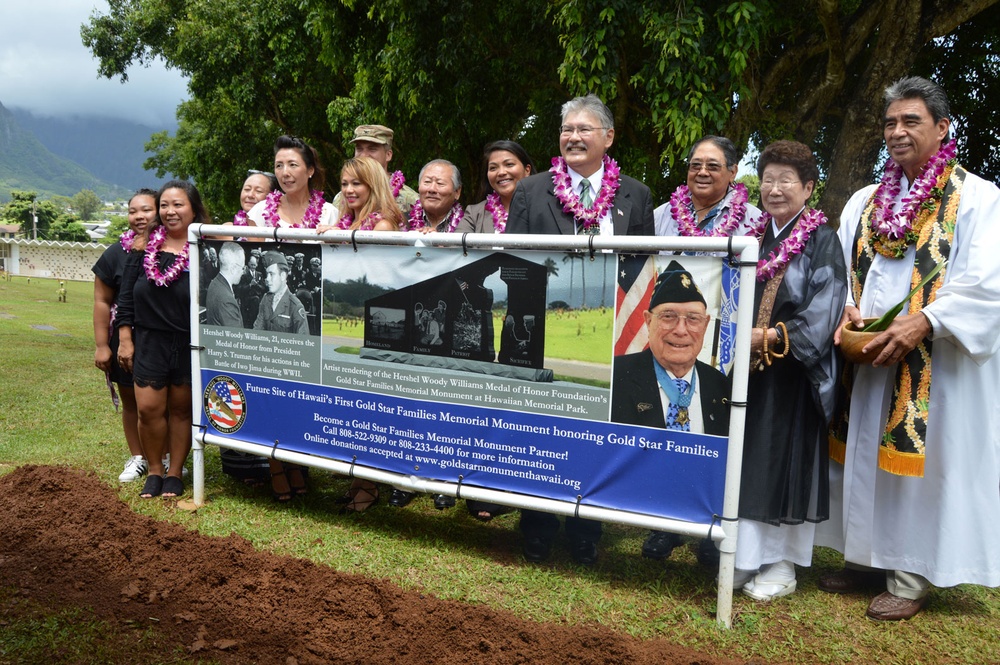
{"x":875,"y":459}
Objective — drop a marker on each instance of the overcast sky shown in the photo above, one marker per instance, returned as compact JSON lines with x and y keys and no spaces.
{"x":46,"y":69}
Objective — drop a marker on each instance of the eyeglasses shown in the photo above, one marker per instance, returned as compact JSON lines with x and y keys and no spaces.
{"x":783,"y":185}
{"x":668,"y":320}
{"x":251,"y":172}
{"x":711,"y":167}
{"x":584,"y":131}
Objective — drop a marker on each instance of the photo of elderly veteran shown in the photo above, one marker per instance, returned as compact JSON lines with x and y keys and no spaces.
{"x":666,"y":386}
{"x":280,"y":311}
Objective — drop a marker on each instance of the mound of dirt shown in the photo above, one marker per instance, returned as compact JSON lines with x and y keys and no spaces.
{"x":69,"y":541}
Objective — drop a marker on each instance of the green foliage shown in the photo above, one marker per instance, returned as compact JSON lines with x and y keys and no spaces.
{"x":66,"y":227}
{"x":87,"y":204}
{"x":452,"y":76}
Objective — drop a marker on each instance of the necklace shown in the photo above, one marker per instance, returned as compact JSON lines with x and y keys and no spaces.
{"x":127,"y":239}
{"x":370,"y":222}
{"x":790,"y":246}
{"x":396,"y":181}
{"x":570,"y":199}
{"x":418,"y":219}
{"x":152,"y":264}
{"x":495,"y":207}
{"x":309,"y":219}
{"x":240,"y":219}
{"x":681,"y":206}
{"x":893,"y":232}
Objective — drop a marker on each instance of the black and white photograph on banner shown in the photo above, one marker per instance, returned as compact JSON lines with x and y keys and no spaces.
{"x":272,"y":287}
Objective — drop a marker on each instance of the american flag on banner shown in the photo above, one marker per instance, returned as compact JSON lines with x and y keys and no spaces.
{"x":227,"y":409}
{"x":727,"y":315}
{"x":636,"y":279}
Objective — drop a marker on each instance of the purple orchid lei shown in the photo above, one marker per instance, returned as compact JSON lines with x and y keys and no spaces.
{"x":240,"y":219}
{"x":396,"y":182}
{"x":497,"y":211}
{"x":127,"y":239}
{"x":776,"y":261}
{"x":368,"y":224}
{"x":418,"y":220}
{"x":889,"y":228}
{"x":152,"y":266}
{"x":309,"y":219}
{"x":570,"y":199}
{"x":681,"y":210}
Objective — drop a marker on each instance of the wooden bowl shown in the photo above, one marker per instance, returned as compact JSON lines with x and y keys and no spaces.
{"x":853,"y":340}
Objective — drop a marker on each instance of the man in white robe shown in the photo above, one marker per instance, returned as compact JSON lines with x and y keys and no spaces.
{"x":935,"y":527}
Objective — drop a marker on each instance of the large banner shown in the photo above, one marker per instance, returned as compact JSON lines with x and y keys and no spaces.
{"x":490,"y":368}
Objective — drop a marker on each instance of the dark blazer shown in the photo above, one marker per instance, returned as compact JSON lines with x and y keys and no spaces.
{"x":635,"y":397}
{"x":535,"y":208}
{"x":223,"y":310}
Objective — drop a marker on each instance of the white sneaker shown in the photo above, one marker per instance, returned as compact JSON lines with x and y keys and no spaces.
{"x":135,"y":468}
{"x":166,"y":467}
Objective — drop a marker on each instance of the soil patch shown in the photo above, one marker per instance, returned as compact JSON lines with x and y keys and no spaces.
{"x":69,"y":541}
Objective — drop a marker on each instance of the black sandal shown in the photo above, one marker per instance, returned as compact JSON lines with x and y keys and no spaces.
{"x":364,"y":495}
{"x":173,"y":487}
{"x":280,"y":495}
{"x":152,"y":487}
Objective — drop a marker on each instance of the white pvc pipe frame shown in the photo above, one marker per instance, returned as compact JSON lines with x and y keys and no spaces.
{"x":744,"y":248}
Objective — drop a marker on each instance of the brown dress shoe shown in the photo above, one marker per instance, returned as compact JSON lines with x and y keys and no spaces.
{"x":850,"y":580}
{"x":887,"y":607}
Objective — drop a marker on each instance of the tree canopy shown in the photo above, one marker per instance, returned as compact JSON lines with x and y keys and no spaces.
{"x":451,"y":76}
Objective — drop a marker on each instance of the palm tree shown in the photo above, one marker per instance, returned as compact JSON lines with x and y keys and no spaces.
{"x":550,"y":267}
{"x":571,"y":258}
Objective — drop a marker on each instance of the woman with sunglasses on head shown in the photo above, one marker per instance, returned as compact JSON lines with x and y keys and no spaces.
{"x":298,"y":202}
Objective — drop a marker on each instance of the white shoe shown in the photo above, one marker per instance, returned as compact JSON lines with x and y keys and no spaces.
{"x":135,"y":468}
{"x":740,"y":578}
{"x":775,"y":581}
{"x":166,"y":467}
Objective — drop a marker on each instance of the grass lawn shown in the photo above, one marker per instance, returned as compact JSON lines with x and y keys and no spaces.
{"x":54,"y":409}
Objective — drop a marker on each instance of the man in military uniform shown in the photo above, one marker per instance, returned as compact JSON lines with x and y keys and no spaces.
{"x":280,"y":311}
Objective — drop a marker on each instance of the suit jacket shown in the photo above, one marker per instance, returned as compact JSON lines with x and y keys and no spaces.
{"x":535,"y":208}
{"x":636,"y":398}
{"x":223,"y":310}
{"x":476,"y":220}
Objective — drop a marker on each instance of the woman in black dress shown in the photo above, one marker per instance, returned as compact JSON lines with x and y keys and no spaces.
{"x":801,"y":289}
{"x":108,"y":273}
{"x":155,"y":327}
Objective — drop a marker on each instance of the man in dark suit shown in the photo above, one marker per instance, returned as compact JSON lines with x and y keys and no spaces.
{"x":667,"y":386}
{"x":223,"y":309}
{"x":583,"y":193}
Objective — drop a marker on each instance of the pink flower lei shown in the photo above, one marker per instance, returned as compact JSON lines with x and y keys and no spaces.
{"x":396,"y":182}
{"x":570,"y":199}
{"x":240,"y":219}
{"x":370,"y":222}
{"x":127,"y":239}
{"x":497,"y":211}
{"x":791,"y":246}
{"x":418,"y":220}
{"x":681,"y":210}
{"x":895,"y":226}
{"x":309,"y":219}
{"x":152,"y":266}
